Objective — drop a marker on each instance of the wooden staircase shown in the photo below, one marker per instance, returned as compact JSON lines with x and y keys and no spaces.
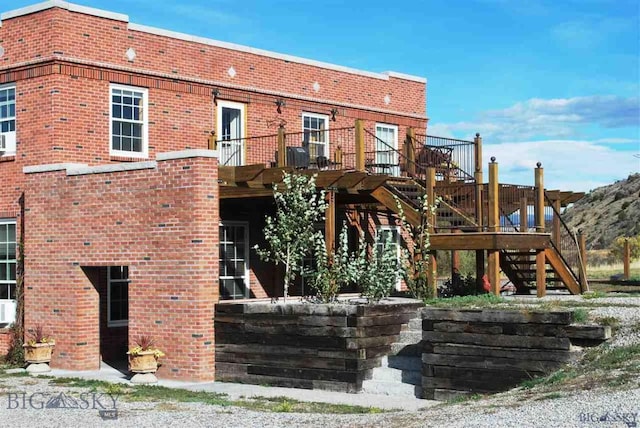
{"x":520,"y":267}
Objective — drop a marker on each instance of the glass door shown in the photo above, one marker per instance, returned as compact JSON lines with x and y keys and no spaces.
{"x":387,"y":150}
{"x":230,"y":129}
{"x":234,"y":260}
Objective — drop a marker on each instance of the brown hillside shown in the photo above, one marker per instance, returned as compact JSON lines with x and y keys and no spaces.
{"x":607,"y":212}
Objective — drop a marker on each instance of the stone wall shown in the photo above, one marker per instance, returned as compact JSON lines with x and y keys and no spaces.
{"x":309,"y":346}
{"x":470,"y":351}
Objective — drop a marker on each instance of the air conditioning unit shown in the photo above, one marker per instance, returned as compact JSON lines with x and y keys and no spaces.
{"x":3,"y":143}
{"x":7,"y":311}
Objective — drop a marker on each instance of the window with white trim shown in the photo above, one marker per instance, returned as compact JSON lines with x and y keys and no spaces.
{"x":129,"y":121}
{"x":8,"y":251}
{"x":7,"y":120}
{"x":117,"y":296}
{"x":315,"y":128}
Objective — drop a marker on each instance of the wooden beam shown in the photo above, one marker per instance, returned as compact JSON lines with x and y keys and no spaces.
{"x":561,"y":269}
{"x":372,"y":182}
{"x":582,"y":248}
{"x":430,"y":183}
{"x":230,"y":192}
{"x":325,"y":179}
{"x":410,"y":152}
{"x":360,"y":145}
{"x":386,"y":197}
{"x":557,"y":207}
{"x":494,"y":201}
{"x":489,"y":241}
{"x":330,"y":223}
{"x":477,"y":152}
{"x":539,"y":202}
{"x":493,"y":268}
{"x":479,"y":271}
{"x":524,"y":214}
{"x":627,"y":259}
{"x":541,"y":274}
{"x":282,"y":147}
{"x":479,"y":200}
{"x":350,"y":180}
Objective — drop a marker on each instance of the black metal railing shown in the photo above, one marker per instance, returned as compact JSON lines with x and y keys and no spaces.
{"x":457,"y":155}
{"x":246,"y":151}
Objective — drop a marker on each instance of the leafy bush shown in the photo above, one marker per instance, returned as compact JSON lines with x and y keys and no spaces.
{"x":617,"y":247}
{"x":377,"y":268}
{"x":458,"y":286}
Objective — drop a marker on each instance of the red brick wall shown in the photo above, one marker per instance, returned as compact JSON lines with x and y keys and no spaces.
{"x":5,"y":341}
{"x":162,"y":223}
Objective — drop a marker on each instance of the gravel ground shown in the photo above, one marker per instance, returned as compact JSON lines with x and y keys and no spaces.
{"x":596,"y":407}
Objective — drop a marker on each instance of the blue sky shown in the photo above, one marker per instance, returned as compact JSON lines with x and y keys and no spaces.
{"x":555,"y":81}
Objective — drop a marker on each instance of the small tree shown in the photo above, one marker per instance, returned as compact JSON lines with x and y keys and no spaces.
{"x":377,"y":268}
{"x":617,"y":247}
{"x":333,"y":271}
{"x":290,"y":234}
{"x":415,"y":257}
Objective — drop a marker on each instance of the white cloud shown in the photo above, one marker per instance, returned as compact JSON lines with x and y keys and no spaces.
{"x":550,"y":118}
{"x":568,"y":164}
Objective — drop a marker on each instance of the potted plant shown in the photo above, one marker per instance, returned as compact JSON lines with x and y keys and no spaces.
{"x":38,"y":349}
{"x":143,"y":358}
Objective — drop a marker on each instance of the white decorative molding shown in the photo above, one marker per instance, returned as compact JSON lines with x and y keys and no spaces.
{"x":316,"y":87}
{"x":64,"y":5}
{"x":130,"y":54}
{"x":116,"y":167}
{"x":387,"y":99}
{"x":1,"y":51}
{"x":34,"y":169}
{"x":186,"y":154}
{"x":231,"y":72}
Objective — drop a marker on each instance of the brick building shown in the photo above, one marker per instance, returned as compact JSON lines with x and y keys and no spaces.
{"x":117,"y":140}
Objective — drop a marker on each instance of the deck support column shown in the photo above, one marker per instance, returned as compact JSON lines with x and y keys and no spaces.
{"x":282,"y":147}
{"x":330,"y":223}
{"x":582,"y":248}
{"x":557,"y":207}
{"x":524,"y":215}
{"x":541,"y":273}
{"x":627,"y":259}
{"x":430,"y":184}
{"x":480,"y":271}
{"x":539,"y":203}
{"x":410,"y":152}
{"x":477,"y":175}
{"x":360,"y":149}
{"x":455,"y":258}
{"x":494,"y":221}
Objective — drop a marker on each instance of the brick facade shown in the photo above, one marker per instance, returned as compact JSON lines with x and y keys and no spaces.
{"x":62,"y":59}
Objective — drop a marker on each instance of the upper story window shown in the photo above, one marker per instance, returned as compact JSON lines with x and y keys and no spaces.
{"x":316,"y":134}
{"x":7,"y":120}
{"x":129,"y":121}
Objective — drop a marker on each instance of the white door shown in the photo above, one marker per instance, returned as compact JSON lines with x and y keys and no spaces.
{"x":234,"y":260}
{"x":230,"y":130}
{"x":387,"y":150}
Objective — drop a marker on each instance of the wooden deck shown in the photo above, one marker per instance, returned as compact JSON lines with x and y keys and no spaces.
{"x":490,"y":241}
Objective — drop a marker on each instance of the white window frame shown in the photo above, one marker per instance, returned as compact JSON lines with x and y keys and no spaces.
{"x":10,"y":136}
{"x":110,"y":322}
{"x":395,"y":171}
{"x":397,"y":242}
{"x":145,"y":122}
{"x":326,"y":130}
{"x":243,"y":117}
{"x":247,"y":268}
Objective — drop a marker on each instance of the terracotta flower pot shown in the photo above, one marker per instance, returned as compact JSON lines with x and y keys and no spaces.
{"x":38,"y":352}
{"x":143,"y":362}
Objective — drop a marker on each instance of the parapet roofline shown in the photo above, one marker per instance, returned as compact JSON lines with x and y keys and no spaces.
{"x":196,"y":39}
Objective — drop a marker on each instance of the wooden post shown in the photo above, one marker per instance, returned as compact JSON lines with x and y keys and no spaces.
{"x":557,"y":207}
{"x":541,"y":273}
{"x":524,"y":214}
{"x":410,"y":152}
{"x":330,"y":222}
{"x":455,"y":258}
{"x":477,"y":175}
{"x":479,"y":271}
{"x":627,"y":259}
{"x":337,"y":157}
{"x":360,"y":149}
{"x":539,"y":203}
{"x":493,"y":262}
{"x":582,"y":247}
{"x":211,"y":141}
{"x":430,"y":184}
{"x":282,"y":147}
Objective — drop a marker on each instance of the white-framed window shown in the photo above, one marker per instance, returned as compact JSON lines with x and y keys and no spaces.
{"x":7,"y":120}
{"x":315,"y":128}
{"x":8,"y":249}
{"x":230,"y":125}
{"x":234,"y":260}
{"x":129,"y":121}
{"x":117,"y":296}
{"x":387,"y":149}
{"x":392,"y":233}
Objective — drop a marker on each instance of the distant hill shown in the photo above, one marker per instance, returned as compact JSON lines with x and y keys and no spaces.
{"x":607,"y":212}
